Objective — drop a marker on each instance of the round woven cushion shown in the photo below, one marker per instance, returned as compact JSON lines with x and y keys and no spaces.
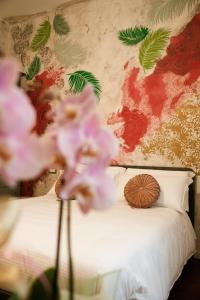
{"x":142,"y":191}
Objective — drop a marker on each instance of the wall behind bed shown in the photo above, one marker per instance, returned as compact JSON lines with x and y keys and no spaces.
{"x":149,"y":79}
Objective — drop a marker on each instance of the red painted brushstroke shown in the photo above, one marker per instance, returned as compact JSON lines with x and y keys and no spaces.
{"x":193,"y":75}
{"x":155,"y":89}
{"x":175,"y":100}
{"x":183,"y":53}
{"x":126,"y":65}
{"x":43,"y":81}
{"x":135,"y":127}
{"x":49,"y":76}
{"x":130,"y":88}
{"x":161,"y":92}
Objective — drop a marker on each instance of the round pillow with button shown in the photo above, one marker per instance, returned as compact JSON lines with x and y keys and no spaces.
{"x":142,"y":191}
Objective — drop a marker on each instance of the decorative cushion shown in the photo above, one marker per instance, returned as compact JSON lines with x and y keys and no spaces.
{"x":142,"y":191}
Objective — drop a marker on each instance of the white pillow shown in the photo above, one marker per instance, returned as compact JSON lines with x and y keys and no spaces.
{"x":160,"y":172}
{"x":173,"y":192}
{"x":115,"y":172}
{"x":173,"y":186}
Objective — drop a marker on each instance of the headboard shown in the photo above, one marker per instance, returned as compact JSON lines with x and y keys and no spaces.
{"x":192,"y":186}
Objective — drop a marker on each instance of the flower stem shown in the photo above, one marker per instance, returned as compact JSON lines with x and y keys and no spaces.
{"x":71,"y":275}
{"x":55,"y":279}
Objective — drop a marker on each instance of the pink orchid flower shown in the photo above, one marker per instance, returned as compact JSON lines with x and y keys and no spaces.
{"x":100,"y":144}
{"x":8,"y":73}
{"x":87,"y":143}
{"x":74,"y":109}
{"x":93,"y":188}
{"x":23,"y":159}
{"x":17,"y":115}
{"x":76,"y":136}
{"x":69,"y":144}
{"x":23,"y":155}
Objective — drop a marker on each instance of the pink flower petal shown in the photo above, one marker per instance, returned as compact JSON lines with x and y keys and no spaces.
{"x":9,"y":70}
{"x":17,"y":116}
{"x":108,"y":145}
{"x":27,"y":158}
{"x":74,"y":109}
{"x":92,"y":125}
{"x":100,"y":139}
{"x":70,"y":142}
{"x":93,"y":189}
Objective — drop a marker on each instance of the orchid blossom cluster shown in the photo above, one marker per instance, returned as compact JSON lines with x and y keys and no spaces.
{"x":22,"y":153}
{"x":75,"y":138}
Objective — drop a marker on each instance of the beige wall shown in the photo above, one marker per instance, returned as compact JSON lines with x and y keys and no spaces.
{"x":4,"y":36}
{"x":24,"y":7}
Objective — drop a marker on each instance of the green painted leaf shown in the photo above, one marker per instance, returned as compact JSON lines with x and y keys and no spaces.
{"x":79,"y":79}
{"x":42,"y":36}
{"x":162,"y":10}
{"x":41,"y":289}
{"x":152,"y":47}
{"x":132,"y":36}
{"x":34,"y":68}
{"x":60,"y":25}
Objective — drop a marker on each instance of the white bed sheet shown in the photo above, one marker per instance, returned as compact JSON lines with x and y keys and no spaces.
{"x":148,"y":246}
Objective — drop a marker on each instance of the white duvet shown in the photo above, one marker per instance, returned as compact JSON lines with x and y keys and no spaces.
{"x":146,"y":248}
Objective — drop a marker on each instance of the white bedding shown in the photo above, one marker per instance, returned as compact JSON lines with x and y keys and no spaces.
{"x":148,"y":246}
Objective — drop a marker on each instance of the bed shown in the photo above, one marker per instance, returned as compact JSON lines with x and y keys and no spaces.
{"x":120,"y":254}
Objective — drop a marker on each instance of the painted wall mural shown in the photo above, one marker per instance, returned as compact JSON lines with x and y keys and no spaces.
{"x":161,"y":110}
{"x":4,"y":38}
{"x":29,"y":41}
{"x":143,"y":60}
